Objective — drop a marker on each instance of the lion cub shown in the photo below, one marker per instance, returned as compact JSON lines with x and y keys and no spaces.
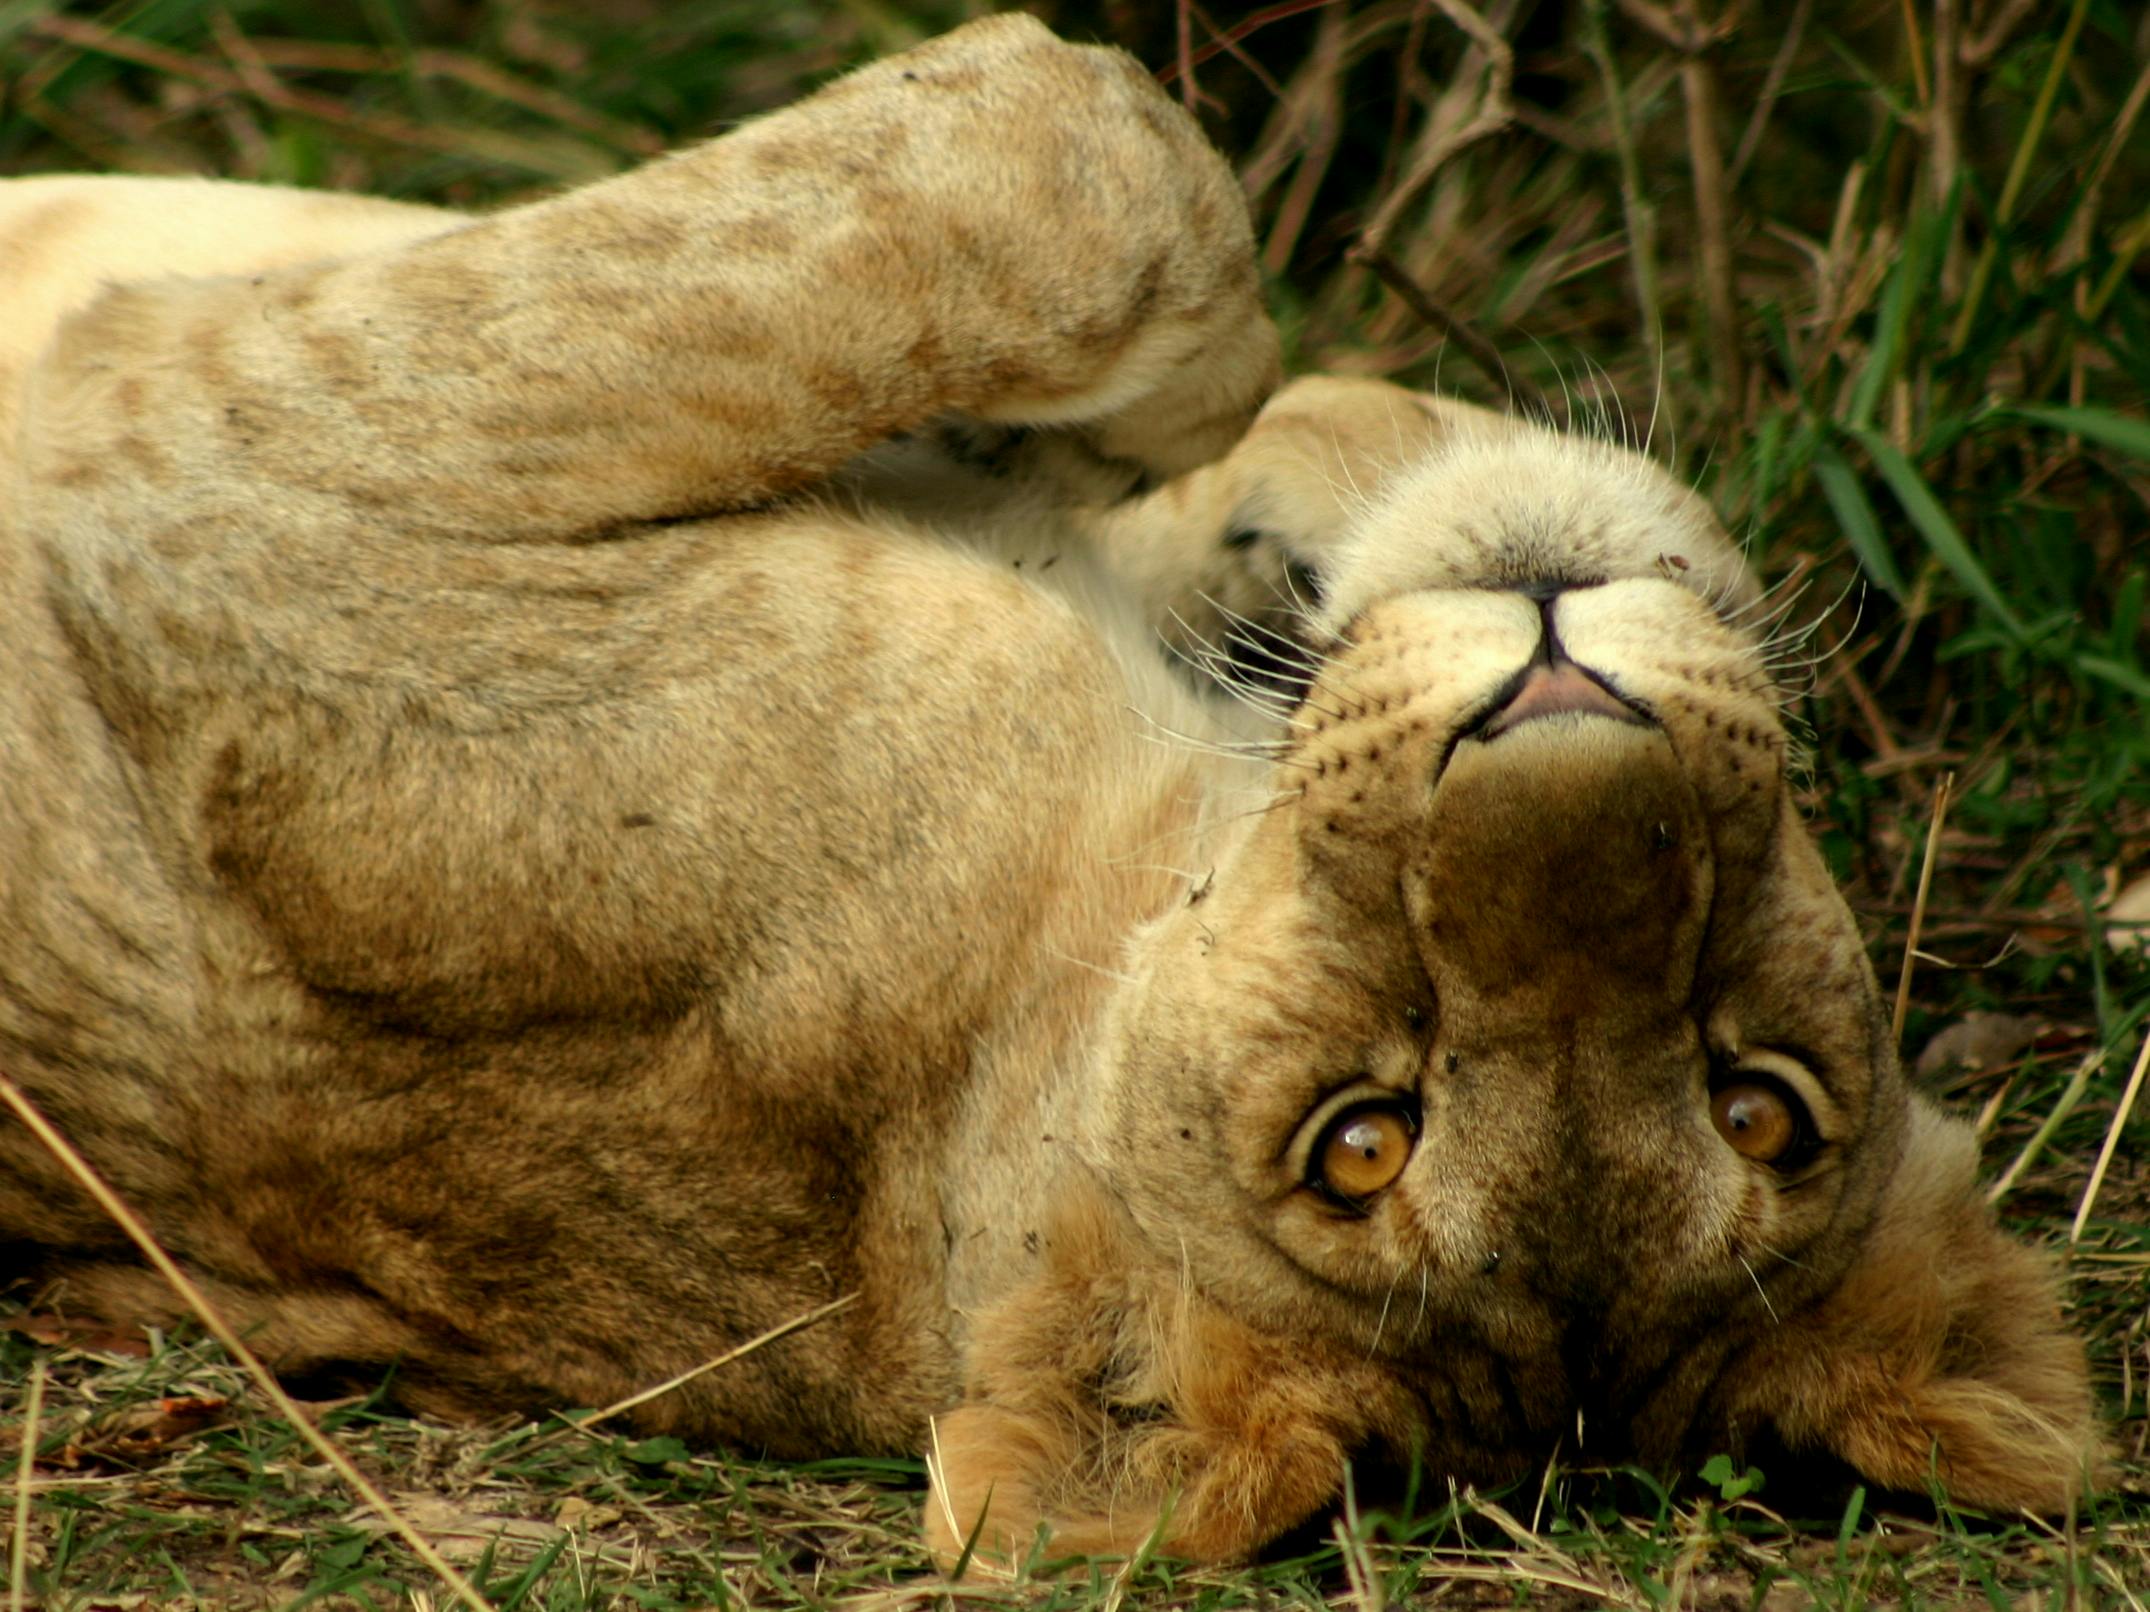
{"x":585,"y":782}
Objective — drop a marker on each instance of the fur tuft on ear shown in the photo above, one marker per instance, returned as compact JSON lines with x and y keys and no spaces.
{"x":1112,"y":1406}
{"x":1941,"y":1356}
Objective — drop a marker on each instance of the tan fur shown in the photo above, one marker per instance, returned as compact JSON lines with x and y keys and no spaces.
{"x":585,"y":781}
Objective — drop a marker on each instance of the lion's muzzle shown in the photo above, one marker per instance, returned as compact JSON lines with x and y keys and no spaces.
{"x":1565,"y":856}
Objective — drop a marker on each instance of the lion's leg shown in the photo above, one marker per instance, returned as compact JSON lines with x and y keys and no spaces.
{"x":1233,"y":558}
{"x":995,"y":223}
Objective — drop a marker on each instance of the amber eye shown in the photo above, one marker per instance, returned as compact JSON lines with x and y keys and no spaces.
{"x":1362,"y":1151}
{"x":1763,"y":1121}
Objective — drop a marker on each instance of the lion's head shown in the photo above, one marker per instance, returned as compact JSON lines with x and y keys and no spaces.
{"x":1518,"y":1082}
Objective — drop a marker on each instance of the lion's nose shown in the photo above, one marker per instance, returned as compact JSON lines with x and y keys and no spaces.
{"x":1543,"y":591}
{"x":1552,"y":684}
{"x":1553,"y":689}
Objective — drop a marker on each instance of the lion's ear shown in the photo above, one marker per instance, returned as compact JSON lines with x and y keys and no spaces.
{"x":1942,"y":1355}
{"x":1111,"y":1408}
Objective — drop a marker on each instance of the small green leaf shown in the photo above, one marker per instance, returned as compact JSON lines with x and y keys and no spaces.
{"x":1855,"y":514}
{"x":515,"y":1594}
{"x":2102,"y":426}
{"x":970,"y":1542}
{"x":346,"y":1552}
{"x":1933,"y":524}
{"x":1907,"y":291}
{"x":656,"y":1451}
{"x":1853,"y":1508}
{"x":2128,"y":611}
{"x":1880,"y":364}
{"x":2118,"y":673}
{"x":1729,"y":1482}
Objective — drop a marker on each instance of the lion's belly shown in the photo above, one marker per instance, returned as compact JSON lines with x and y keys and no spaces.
{"x":595,"y":951}
{"x":547,"y":966}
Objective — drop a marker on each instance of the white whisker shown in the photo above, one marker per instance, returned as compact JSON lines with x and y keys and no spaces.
{"x":1095,"y":968}
{"x":1275,"y":752}
{"x":1760,"y":1292}
{"x":1381,"y":1324}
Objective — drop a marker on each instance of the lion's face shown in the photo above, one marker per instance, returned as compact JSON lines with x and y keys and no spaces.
{"x":1525,"y":1044}
{"x":1516,"y":1080}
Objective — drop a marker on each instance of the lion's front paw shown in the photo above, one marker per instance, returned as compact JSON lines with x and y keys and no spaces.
{"x":1233,"y":558}
{"x":1098,"y":246}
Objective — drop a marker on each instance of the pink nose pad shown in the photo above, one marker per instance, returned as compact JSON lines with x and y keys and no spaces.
{"x":1555,"y":690}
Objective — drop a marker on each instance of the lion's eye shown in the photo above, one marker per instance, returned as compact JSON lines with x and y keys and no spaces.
{"x":1362,"y":1151}
{"x":1763,"y":1121}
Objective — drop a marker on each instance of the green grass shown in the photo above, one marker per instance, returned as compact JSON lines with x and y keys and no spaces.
{"x":235,"y":1515}
{"x":1921,"y":393}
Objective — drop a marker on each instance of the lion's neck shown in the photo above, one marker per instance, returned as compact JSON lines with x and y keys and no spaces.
{"x":1156,"y":842}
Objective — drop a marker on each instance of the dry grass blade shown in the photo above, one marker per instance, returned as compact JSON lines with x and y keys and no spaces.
{"x":2112,"y":1140}
{"x":197,"y":1301}
{"x":782,"y":1329}
{"x":1452,"y":323}
{"x":19,"y":1568}
{"x":1494,"y":112}
{"x":970,"y":1561}
{"x":486,"y":77}
{"x":254,"y":80}
{"x":1772,"y":86}
{"x":1640,"y":216}
{"x":1917,"y":55}
{"x":1942,"y":791}
{"x":1184,"y":32}
{"x":1358,"y":1563}
{"x":2070,"y":1095}
{"x":1315,"y":106}
{"x":1538,"y":1560}
{"x":1237,"y":32}
{"x":1713,"y":210}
